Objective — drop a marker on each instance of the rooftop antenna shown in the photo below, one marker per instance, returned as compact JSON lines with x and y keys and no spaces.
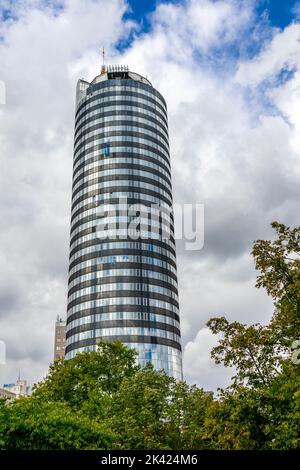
{"x":103,"y":68}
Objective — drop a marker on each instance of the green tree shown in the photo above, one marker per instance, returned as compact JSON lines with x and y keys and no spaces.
{"x":102,"y":398}
{"x":237,"y":420}
{"x":260,"y":410}
{"x":265,"y":417}
{"x":154,"y":411}
{"x":254,"y":351}
{"x":33,"y":424}
{"x":283,"y":401}
{"x":140,"y":410}
{"x":188,"y":412}
{"x":279,"y":264}
{"x":89,"y":380}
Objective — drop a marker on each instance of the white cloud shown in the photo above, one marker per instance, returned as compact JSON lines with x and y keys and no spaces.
{"x":281,"y":53}
{"x":201,"y":24}
{"x":199,"y":368}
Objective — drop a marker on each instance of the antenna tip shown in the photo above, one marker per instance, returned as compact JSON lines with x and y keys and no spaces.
{"x":103,"y":67}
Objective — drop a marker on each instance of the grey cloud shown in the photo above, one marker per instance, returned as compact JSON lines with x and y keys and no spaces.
{"x":9,"y":300}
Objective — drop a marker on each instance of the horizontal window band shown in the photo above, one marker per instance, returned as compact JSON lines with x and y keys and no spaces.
{"x":159,"y":212}
{"x":106,"y":120}
{"x":168,"y":254}
{"x":156,"y":226}
{"x":112,"y":291}
{"x":129,"y":202}
{"x":123,"y":293}
{"x":110,"y":95}
{"x":117,"y":123}
{"x":125,"y":176}
{"x":114,"y":99}
{"x":98,"y":167}
{"x":106,"y":266}
{"x":106,"y":332}
{"x":90,"y":230}
{"x":123,"y":166}
{"x":115,"y":156}
{"x":120,"y":264}
{"x":120,"y":133}
{"x":140,"y":103}
{"x":113,"y":276}
{"x":95,"y":321}
{"x":95,"y":242}
{"x":91,"y":199}
{"x":130,"y":125}
{"x":120,"y":324}
{"x":119,"y":143}
{"x":143,"y":233}
{"x":93,"y":229}
{"x":122,"y":279}
{"x":156,"y":243}
{"x":127,"y":168}
{"x":124,"y":339}
{"x":85,"y":216}
{"x":104,"y":144}
{"x":119,"y":227}
{"x":110,"y":208}
{"x":128,"y":83}
{"x":155,"y":184}
{"x":128,"y":252}
{"x":122,"y":316}
{"x":121,"y":152}
{"x":122,"y":104}
{"x":125,"y":308}
{"x":156,"y":156}
{"x":122,"y":203}
{"x":93,"y":96}
{"x":124,"y":113}
{"x":119,"y":189}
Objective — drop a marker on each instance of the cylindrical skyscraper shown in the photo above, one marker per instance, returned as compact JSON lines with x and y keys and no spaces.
{"x":123,"y":286}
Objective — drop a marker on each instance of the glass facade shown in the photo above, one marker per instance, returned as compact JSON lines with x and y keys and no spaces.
{"x":122,"y":287}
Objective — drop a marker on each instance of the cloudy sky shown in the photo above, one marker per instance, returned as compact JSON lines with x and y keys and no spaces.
{"x":230,"y":73}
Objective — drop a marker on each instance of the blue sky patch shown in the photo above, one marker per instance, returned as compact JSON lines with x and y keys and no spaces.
{"x":280,"y":12}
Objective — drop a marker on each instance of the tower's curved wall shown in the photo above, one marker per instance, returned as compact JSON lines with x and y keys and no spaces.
{"x":119,"y":287}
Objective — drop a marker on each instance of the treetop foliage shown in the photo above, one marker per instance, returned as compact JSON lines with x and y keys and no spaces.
{"x":103,"y":400}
